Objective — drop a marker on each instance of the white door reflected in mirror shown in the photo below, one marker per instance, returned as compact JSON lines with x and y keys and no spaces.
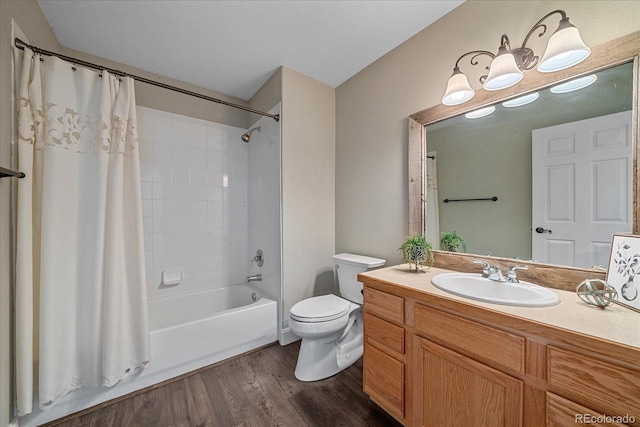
{"x":581,"y":187}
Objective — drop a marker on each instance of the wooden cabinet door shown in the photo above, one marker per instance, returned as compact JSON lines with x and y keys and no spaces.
{"x":453,"y":390}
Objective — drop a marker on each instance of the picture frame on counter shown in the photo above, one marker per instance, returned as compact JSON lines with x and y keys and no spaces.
{"x":623,"y":272}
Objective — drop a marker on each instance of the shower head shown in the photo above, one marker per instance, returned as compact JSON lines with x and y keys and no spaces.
{"x":247,"y":136}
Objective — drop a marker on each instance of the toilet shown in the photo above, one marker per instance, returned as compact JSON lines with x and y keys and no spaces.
{"x":331,"y":326}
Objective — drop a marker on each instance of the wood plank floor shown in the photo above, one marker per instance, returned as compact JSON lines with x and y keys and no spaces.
{"x":255,"y":389}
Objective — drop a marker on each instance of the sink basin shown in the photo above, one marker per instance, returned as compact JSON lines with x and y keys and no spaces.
{"x":474,"y":286}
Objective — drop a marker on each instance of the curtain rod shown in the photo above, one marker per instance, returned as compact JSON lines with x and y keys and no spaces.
{"x":21,"y":45}
{"x":4,"y":172}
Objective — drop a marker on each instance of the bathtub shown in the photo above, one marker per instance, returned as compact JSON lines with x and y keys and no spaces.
{"x":185,"y":337}
{"x":188,"y":332}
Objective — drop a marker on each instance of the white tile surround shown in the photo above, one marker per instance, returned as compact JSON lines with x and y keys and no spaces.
{"x":195,"y":201}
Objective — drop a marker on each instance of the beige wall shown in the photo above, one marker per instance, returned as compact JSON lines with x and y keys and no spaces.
{"x":308,"y":188}
{"x":372,"y":107}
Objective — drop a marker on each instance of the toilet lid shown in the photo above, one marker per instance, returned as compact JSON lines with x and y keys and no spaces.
{"x":320,"y":309}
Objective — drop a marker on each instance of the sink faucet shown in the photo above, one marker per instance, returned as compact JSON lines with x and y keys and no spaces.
{"x":511,"y":274}
{"x":486,"y":267}
{"x":491,"y":272}
{"x":495,"y":274}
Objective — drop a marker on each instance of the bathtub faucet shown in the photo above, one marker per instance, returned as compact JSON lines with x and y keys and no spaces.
{"x":255,"y":278}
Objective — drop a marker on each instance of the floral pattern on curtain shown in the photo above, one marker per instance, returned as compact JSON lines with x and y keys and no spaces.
{"x":81,"y":316}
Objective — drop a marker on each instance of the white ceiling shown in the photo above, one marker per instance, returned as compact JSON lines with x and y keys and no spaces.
{"x":233,"y":47}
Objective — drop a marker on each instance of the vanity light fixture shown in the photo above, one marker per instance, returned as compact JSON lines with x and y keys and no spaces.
{"x":522,"y":100}
{"x":482,"y":112}
{"x":565,"y":49}
{"x":574,"y":84}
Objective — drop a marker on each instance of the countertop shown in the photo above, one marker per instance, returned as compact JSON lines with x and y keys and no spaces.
{"x":615,"y":323}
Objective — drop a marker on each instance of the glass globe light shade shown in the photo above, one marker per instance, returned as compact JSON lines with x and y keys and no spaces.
{"x":503,"y":72}
{"x":458,"y":89}
{"x":565,"y":49}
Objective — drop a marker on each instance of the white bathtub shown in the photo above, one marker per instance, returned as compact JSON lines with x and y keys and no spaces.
{"x":185,"y":337}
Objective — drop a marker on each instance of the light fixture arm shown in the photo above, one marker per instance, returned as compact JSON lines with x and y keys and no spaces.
{"x":525,"y":58}
{"x":474,"y":62}
{"x":540,"y":24}
{"x":504,"y":42}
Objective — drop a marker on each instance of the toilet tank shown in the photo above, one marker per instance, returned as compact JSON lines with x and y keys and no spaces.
{"x":348,"y":267}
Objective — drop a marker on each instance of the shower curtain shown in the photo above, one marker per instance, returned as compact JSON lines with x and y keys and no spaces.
{"x":433,"y":216}
{"x":81,"y":317}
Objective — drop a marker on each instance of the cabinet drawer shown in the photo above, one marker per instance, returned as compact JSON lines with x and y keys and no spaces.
{"x":562,"y":412}
{"x":384,"y":305}
{"x":600,"y":385}
{"x":471,"y":338}
{"x":385,"y":334}
{"x":383,"y":379}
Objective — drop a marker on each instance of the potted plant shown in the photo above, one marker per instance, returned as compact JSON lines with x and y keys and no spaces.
{"x":450,"y":241}
{"x":416,"y":250}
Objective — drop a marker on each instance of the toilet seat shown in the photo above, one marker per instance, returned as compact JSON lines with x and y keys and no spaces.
{"x":320,"y":309}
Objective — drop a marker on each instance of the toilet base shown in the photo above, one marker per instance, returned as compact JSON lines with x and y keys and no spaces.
{"x":322,"y":358}
{"x":349,"y":354}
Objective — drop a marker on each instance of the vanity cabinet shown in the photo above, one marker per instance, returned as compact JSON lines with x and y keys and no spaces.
{"x":434,"y":361}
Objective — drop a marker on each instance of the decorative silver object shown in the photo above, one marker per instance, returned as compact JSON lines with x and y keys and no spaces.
{"x":596,"y":292}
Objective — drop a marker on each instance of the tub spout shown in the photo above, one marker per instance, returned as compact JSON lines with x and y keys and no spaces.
{"x":255,"y":278}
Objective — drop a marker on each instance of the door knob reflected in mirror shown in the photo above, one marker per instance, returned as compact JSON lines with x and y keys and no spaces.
{"x":541,"y":230}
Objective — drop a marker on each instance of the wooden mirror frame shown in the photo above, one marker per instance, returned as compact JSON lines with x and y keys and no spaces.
{"x":615,"y":52}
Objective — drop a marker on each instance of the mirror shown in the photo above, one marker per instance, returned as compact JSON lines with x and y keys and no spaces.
{"x":610,"y":54}
{"x":491,"y":157}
